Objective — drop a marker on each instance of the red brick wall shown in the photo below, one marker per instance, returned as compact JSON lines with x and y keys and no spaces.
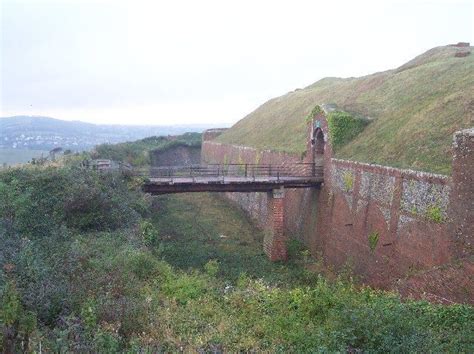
{"x":462,"y":198}
{"x":396,"y":207}
{"x":420,"y":220}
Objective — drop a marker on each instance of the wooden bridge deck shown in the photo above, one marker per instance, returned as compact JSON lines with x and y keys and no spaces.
{"x":230,"y":178}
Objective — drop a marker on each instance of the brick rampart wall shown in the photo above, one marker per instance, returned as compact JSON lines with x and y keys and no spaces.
{"x":385,"y":223}
{"x":176,"y":155}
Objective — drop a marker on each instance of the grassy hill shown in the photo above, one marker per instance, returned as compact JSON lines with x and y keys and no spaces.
{"x":414,"y":110}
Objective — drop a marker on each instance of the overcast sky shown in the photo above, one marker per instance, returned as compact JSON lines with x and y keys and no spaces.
{"x":165,"y":62}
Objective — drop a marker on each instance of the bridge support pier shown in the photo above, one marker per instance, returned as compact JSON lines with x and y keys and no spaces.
{"x":274,"y":243}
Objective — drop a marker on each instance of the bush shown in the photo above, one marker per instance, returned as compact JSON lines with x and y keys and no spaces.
{"x":343,"y":127}
{"x":40,"y":200}
{"x":148,"y":233}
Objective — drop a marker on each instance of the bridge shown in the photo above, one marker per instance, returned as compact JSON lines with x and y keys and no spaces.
{"x":273,"y":179}
{"x":230,"y":178}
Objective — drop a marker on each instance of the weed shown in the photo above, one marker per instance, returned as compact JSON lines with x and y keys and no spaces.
{"x":317,"y":110}
{"x":373,"y":239}
{"x":212,"y":267}
{"x":348,"y":179}
{"x":434,"y":213}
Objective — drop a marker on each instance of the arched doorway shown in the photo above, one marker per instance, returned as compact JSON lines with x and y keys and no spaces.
{"x":318,"y":146}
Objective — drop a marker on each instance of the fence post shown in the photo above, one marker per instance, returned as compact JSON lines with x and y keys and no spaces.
{"x":314,"y":169}
{"x":246,"y":170}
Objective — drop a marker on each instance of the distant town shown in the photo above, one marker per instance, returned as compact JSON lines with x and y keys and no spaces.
{"x":44,"y":133}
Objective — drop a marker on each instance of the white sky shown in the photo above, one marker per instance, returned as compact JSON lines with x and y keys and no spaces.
{"x":174,"y":62}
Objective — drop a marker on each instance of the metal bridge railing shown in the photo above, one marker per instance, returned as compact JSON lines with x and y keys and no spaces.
{"x":249,"y":171}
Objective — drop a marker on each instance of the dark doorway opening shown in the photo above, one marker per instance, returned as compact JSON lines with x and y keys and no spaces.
{"x":318,"y":141}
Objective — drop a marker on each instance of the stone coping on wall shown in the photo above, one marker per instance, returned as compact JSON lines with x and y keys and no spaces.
{"x":394,"y":171}
{"x":374,"y":168}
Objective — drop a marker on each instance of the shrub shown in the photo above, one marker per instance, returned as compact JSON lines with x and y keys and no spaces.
{"x":40,"y":200}
{"x":343,"y":127}
{"x":148,"y":233}
{"x":185,"y":287}
{"x":212,"y":267}
{"x":435,"y":214}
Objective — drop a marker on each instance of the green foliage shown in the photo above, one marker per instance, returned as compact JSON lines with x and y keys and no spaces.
{"x":212,"y":267}
{"x":137,"y":153}
{"x":185,"y":287}
{"x":373,"y":239}
{"x":15,"y":322}
{"x":10,"y":310}
{"x":348,"y":179}
{"x":314,"y":112}
{"x":75,"y":289}
{"x":89,"y":314}
{"x":148,"y":233}
{"x":343,"y":127}
{"x":434,"y":213}
{"x":41,"y":200}
{"x":143,"y":265}
{"x":106,"y":342}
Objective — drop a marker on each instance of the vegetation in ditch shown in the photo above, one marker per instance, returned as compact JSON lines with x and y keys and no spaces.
{"x":89,"y":264}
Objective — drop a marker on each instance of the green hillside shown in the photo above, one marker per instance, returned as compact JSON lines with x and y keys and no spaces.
{"x":414,"y":111}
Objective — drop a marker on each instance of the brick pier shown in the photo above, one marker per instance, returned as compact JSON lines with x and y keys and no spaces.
{"x":274,"y":243}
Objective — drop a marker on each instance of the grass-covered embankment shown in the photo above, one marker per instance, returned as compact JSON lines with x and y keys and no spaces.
{"x":89,"y":264}
{"x":414,"y":109}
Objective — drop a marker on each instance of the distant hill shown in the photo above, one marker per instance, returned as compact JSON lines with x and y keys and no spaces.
{"x":414,"y":110}
{"x":44,"y":133}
